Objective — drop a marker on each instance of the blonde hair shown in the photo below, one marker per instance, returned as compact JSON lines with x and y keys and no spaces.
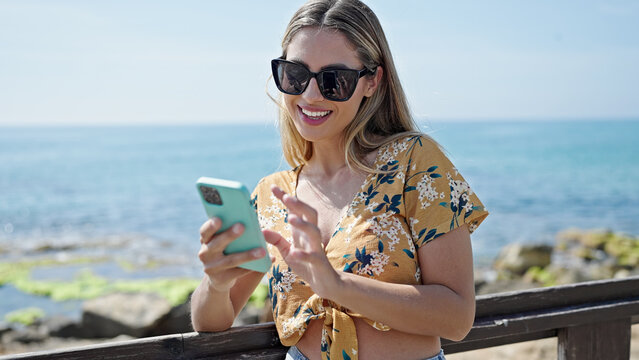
{"x":381,"y":118}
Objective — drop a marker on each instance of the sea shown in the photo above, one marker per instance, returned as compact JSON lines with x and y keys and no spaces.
{"x":128,"y":192}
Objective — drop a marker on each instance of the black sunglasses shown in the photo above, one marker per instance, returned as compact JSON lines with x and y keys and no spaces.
{"x":335,"y":84}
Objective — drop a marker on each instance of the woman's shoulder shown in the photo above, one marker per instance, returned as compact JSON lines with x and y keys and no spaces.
{"x":410,"y":148}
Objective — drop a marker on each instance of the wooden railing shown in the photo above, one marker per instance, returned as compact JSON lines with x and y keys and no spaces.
{"x":591,"y":321}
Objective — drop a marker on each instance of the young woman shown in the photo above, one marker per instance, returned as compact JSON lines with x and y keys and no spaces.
{"x":370,"y":231}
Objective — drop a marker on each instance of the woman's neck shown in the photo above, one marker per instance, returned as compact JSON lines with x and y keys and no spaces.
{"x":327,"y":160}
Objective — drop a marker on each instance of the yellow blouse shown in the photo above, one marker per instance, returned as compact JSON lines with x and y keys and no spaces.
{"x":419,"y":198}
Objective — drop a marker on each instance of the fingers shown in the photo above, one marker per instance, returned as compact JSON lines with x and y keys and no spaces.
{"x":223,"y":270}
{"x":296,"y":206}
{"x":303,"y":218}
{"x":211,"y":252}
{"x":224,"y":281}
{"x":209,"y":229}
{"x":275,"y":239}
{"x":309,"y":229}
{"x":228,"y":276}
{"x":216,"y":261}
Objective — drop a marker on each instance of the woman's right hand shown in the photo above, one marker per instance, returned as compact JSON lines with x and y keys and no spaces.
{"x":222,"y":270}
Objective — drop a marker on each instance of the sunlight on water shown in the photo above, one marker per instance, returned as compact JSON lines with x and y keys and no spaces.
{"x":76,"y":185}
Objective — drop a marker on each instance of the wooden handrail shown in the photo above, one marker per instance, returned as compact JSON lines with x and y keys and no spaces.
{"x":591,"y":320}
{"x":533,"y":314}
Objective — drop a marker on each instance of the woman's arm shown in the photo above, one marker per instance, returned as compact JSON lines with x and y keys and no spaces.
{"x":444,"y":306}
{"x":213,"y":310}
{"x":225,"y":288}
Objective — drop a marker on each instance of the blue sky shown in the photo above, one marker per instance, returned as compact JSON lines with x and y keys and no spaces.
{"x":182,"y":62}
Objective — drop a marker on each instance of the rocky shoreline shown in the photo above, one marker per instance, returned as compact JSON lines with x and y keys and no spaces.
{"x":576,"y":256}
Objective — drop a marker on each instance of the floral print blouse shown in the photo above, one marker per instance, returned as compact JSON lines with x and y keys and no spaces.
{"x":419,"y":197}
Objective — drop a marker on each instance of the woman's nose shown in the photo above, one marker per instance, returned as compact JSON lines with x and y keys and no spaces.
{"x":312,"y":92}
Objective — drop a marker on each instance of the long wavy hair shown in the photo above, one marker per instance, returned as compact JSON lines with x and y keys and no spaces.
{"x":381,"y":118}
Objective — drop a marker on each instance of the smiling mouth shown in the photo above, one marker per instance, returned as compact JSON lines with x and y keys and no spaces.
{"x":315,"y":115}
{"x":314,"y":118}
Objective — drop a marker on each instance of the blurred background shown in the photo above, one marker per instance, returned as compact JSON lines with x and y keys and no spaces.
{"x":110,"y":110}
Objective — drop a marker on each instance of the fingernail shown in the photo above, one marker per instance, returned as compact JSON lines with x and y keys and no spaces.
{"x":237,"y":228}
{"x":258,"y":253}
{"x":215,"y":221}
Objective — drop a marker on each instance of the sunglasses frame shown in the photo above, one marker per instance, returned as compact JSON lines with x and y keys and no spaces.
{"x":275,"y":64}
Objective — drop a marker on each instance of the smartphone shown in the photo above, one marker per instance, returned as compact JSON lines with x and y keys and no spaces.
{"x":230,"y":202}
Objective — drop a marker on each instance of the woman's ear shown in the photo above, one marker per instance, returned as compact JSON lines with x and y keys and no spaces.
{"x":373,"y":81}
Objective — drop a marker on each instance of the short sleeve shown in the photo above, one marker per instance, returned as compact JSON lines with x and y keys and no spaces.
{"x":437,"y":198}
{"x":254,"y":196}
{"x":271,"y":214}
{"x":259,"y":201}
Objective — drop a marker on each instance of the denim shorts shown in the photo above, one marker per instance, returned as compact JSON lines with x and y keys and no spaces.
{"x":295,"y":354}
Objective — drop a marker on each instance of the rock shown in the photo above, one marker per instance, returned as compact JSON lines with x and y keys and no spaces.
{"x":500,"y":286}
{"x":4,"y":328}
{"x":619,"y":245}
{"x":517,"y":258}
{"x":588,"y":254}
{"x":599,"y":246}
{"x":595,"y":239}
{"x":177,"y":321}
{"x":248,"y":315}
{"x":267,"y":312}
{"x":536,"y":274}
{"x":25,"y":335}
{"x":568,"y":238}
{"x":122,"y":313}
{"x":599,"y":271}
{"x":483,"y":276}
{"x":479,"y":283}
{"x":630,"y":260}
{"x":64,"y":327}
{"x":622,"y":274}
{"x":563,"y":275}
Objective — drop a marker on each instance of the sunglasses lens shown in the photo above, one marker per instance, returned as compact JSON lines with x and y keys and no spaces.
{"x":291,"y":78}
{"x":338,"y":85}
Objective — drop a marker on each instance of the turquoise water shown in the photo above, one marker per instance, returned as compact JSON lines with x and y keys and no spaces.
{"x":130,"y":190}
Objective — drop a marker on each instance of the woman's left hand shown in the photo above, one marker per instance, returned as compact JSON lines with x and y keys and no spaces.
{"x":305,"y":255}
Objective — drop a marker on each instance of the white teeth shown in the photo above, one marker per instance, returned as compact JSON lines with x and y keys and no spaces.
{"x":315,"y":113}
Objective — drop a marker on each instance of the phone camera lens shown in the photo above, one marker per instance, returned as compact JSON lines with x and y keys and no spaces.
{"x":211,"y":195}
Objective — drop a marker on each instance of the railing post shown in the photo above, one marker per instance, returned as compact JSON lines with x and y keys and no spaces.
{"x":602,"y":340}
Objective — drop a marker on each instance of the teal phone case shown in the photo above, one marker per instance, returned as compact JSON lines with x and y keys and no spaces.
{"x":236,"y":208}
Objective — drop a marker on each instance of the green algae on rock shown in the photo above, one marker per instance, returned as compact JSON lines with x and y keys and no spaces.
{"x":175,"y":290}
{"x":540,"y":275}
{"x":589,"y":245}
{"x":26,"y":316}
{"x":259,"y":296}
{"x":580,"y":255}
{"x":11,"y":272}
{"x":87,"y":285}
